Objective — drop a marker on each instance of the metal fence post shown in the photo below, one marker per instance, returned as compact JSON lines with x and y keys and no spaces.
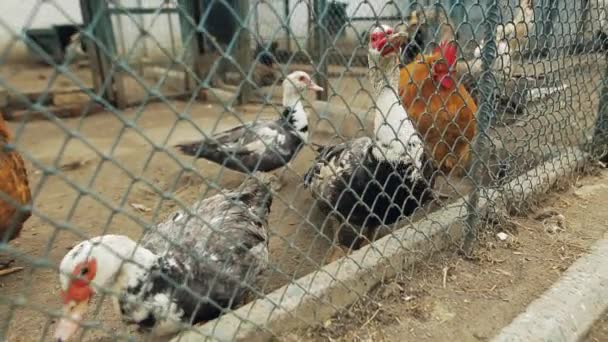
{"x":580,"y":26}
{"x":287,"y":25}
{"x":599,"y":142}
{"x":458,"y":11}
{"x":320,"y":46}
{"x":96,"y":19}
{"x":244,"y":53}
{"x":544,"y":15}
{"x":189,"y":36}
{"x":484,"y":116}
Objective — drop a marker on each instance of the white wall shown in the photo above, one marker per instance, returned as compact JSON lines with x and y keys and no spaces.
{"x":20,"y":14}
{"x":155,"y":46}
{"x":270,"y":22}
{"x":158,"y":45}
{"x":17,"y":15}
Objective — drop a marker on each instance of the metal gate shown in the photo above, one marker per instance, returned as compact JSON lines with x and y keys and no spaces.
{"x":119,"y":41}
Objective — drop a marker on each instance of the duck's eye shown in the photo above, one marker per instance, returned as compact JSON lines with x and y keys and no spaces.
{"x":302,"y":78}
{"x":84,"y":271}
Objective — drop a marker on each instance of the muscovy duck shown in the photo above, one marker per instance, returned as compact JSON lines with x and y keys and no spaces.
{"x":373,"y":182}
{"x":263,"y":145}
{"x":187,"y":270}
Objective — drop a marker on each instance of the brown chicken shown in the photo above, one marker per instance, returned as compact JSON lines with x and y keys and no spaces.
{"x":442,"y":110}
{"x":14,"y":189}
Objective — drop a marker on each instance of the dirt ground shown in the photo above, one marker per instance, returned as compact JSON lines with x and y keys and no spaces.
{"x":599,"y":331}
{"x":450,"y":298}
{"x":27,"y":78}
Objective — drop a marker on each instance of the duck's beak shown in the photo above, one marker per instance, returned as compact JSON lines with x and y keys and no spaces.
{"x":73,"y":314}
{"x":314,"y":87}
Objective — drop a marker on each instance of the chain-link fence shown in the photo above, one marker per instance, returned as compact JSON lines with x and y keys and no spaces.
{"x":211,"y":180}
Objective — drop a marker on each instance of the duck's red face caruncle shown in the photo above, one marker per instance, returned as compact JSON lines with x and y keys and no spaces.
{"x":76,"y":299}
{"x":79,"y":288}
{"x":379,"y":40}
{"x":385,"y":40}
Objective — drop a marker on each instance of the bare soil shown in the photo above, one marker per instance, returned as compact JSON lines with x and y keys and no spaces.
{"x":450,"y":298}
{"x":599,"y":331}
{"x":33,"y":79}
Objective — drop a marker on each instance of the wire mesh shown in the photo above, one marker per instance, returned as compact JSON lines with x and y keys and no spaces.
{"x":474,"y":102}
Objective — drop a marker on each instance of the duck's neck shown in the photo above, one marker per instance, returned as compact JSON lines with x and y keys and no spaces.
{"x":4,"y":134}
{"x":393,"y":128}
{"x":124,"y":262}
{"x":297,"y":116}
{"x":382,"y":73}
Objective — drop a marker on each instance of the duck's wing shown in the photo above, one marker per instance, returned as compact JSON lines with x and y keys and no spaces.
{"x":237,"y":216}
{"x":229,"y":139}
{"x":214,"y":252}
{"x":260,"y":146}
{"x":334,"y":163}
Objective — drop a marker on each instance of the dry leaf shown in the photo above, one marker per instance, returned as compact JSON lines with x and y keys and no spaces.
{"x":140,"y":207}
{"x":74,"y":165}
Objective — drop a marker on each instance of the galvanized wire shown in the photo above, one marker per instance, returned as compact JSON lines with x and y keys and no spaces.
{"x":137,"y":51}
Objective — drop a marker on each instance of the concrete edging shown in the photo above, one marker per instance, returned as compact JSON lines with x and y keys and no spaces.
{"x":319,"y":295}
{"x":569,"y":308}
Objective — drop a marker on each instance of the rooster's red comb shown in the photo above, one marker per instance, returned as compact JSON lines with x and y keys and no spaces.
{"x":448,"y":50}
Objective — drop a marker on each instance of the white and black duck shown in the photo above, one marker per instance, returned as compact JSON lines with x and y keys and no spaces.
{"x":264,"y":145}
{"x":188,"y":269}
{"x":371,"y":182}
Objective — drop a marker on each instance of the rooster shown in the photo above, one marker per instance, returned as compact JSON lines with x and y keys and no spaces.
{"x":265,"y":54}
{"x":442,"y":110}
{"x":265,"y":60}
{"x":15,"y":193}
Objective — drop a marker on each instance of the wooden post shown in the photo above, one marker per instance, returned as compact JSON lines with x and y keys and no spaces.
{"x":244,"y":53}
{"x":320,"y":47}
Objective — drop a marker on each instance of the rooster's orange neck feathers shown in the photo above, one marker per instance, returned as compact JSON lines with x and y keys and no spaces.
{"x":5,"y":136}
